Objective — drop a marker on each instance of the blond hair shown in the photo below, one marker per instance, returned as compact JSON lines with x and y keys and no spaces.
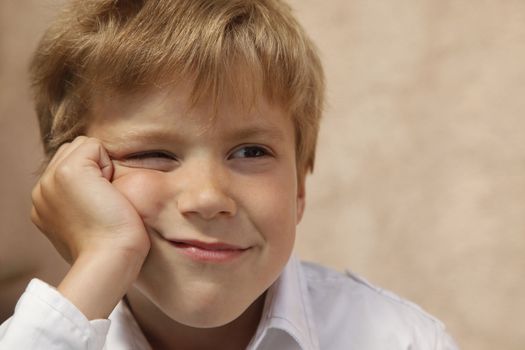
{"x":131,"y":45}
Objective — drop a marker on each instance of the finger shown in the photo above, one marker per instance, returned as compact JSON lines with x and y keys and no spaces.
{"x":93,"y":150}
{"x":42,"y":198}
{"x":35,"y":218}
{"x":105,"y":163}
{"x":65,"y":150}
{"x":38,"y":206}
{"x":58,"y":154}
{"x":36,"y":196}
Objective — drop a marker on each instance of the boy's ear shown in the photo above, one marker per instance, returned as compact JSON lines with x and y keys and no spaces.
{"x":301,"y":197}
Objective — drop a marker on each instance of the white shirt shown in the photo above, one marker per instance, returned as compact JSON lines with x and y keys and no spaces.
{"x":308,"y":308}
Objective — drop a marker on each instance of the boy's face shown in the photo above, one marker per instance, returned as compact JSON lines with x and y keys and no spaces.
{"x":219,"y":197}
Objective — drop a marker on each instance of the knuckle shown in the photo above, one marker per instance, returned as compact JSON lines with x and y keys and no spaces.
{"x":63,"y":172}
{"x":62,"y":147}
{"x":35,"y":193}
{"x":34,"y":217}
{"x":45,"y":180}
{"x":80,"y":138}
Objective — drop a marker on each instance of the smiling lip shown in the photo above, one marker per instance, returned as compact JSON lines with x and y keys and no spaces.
{"x":208,"y":252}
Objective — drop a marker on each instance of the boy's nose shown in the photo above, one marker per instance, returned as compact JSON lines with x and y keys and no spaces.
{"x":205,"y":195}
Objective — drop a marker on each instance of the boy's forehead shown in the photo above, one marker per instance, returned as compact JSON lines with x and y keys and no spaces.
{"x":182,"y":96}
{"x":167,"y":113}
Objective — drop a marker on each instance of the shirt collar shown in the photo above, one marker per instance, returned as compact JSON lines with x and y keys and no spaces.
{"x":288,"y":309}
{"x":125,"y":333}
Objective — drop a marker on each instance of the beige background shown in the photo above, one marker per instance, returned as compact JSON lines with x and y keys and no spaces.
{"x":419,"y":184}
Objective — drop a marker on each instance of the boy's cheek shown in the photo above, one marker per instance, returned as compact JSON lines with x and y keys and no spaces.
{"x":144,"y":189}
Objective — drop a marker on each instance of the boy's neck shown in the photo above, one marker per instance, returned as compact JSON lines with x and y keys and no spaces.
{"x":164,"y":333}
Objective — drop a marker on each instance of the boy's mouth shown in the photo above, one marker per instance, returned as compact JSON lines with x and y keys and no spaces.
{"x":206,"y":245}
{"x":208,"y":251}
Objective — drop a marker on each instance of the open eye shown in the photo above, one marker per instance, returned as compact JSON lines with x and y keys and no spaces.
{"x":250,"y":152}
{"x":155,"y":160}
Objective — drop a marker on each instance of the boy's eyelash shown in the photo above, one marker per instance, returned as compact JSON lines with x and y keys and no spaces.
{"x":263,"y":151}
{"x":151,"y":154}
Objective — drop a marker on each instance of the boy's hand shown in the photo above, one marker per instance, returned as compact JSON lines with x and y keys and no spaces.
{"x":79,"y":210}
{"x":91,"y":224}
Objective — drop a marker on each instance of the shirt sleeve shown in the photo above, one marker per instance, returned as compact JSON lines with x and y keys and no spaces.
{"x":45,"y":319}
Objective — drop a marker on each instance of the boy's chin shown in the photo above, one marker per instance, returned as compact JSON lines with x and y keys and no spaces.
{"x":217,"y":314}
{"x":204,"y":309}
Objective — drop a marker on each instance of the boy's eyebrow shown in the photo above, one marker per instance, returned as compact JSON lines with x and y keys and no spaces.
{"x":143,"y":136}
{"x":162,"y":135}
{"x":270,"y":132}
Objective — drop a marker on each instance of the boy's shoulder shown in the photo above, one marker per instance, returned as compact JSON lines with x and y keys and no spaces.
{"x":352,"y":290}
{"x":345,"y":304}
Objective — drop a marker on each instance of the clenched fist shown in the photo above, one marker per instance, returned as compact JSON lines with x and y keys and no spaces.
{"x":79,"y":210}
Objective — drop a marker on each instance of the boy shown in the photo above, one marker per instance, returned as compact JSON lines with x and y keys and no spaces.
{"x":179,"y":134}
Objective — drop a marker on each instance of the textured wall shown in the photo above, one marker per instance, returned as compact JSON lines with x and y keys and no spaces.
{"x":419,"y":184}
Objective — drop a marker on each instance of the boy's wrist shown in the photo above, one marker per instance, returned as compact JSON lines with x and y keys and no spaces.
{"x":97,"y":281}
